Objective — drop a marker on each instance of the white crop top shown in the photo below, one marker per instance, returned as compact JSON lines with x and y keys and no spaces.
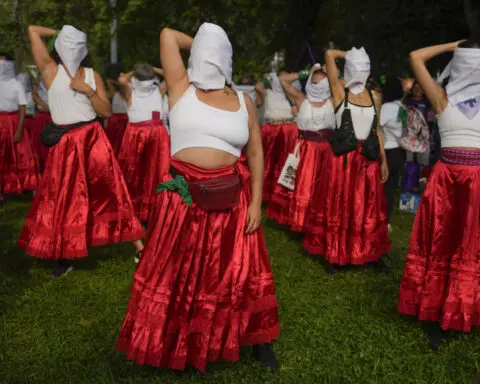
{"x":119,"y":105}
{"x":277,"y":106}
{"x":312,"y":118}
{"x":194,"y":124}
{"x":362,"y":118}
{"x":12,"y":95}
{"x":456,"y":130}
{"x":145,"y":106}
{"x":392,"y":126}
{"x":66,"y":105}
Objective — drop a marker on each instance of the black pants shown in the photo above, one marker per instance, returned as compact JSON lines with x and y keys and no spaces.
{"x":396,"y":162}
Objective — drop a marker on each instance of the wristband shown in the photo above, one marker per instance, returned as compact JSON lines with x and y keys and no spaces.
{"x":266,"y":83}
{"x":302,"y":75}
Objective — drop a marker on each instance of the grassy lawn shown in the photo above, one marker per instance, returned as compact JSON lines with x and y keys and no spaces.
{"x":335,"y":329}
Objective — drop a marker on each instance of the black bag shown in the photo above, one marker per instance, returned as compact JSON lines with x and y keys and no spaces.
{"x":371,"y":146}
{"x":53,"y":133}
{"x":343,"y":139}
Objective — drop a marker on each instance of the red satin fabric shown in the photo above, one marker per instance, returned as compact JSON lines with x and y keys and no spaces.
{"x":441,"y":280}
{"x":278,"y":141}
{"x":82,"y":200}
{"x":291,"y":207}
{"x":144,"y":159}
{"x":18,"y":166}
{"x":348,"y":221}
{"x":203,"y":288}
{"x":115,"y":130}
{"x":40,"y":121}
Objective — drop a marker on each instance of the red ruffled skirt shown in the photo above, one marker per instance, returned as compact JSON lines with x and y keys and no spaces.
{"x":144,"y":159}
{"x":40,"y":121}
{"x":288,"y":207}
{"x":203,"y":288}
{"x":348,"y":221}
{"x":18,"y":166}
{"x":115,"y":130}
{"x":82,"y":200}
{"x":441,"y":280}
{"x":278,"y":141}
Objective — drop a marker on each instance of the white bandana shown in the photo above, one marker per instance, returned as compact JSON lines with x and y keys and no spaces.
{"x":317,"y":92}
{"x":71,"y":46}
{"x":464,"y":74}
{"x":357,"y":70}
{"x":144,"y":88}
{"x":210,"y":62}
{"x":7,"y":70}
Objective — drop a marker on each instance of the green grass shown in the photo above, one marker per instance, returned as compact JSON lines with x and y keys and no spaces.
{"x":335,"y":329}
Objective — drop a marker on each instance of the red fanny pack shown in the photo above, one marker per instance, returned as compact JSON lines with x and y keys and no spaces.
{"x":215,"y":194}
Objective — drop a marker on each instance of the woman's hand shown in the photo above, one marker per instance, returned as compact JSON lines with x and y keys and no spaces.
{"x":254,"y":217}
{"x":18,"y":136}
{"x":79,"y":85}
{"x":384,"y":172}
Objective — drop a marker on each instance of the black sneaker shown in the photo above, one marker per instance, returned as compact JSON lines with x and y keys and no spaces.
{"x":264,"y":353}
{"x":62,"y":270}
{"x":436,"y":335}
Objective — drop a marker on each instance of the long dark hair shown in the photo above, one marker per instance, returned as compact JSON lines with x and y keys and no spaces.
{"x":7,"y":55}
{"x":86,"y":62}
{"x":392,"y":90}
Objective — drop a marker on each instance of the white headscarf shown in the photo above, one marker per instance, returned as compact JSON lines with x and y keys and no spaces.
{"x":144,"y":88}
{"x":7,"y":70}
{"x":464,"y":73}
{"x":71,"y":46}
{"x":26,"y":81}
{"x":357,"y":70}
{"x":210,"y":62}
{"x":317,"y":92}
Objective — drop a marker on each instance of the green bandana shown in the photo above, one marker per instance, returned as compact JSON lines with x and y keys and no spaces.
{"x":179,"y":184}
{"x":51,"y":42}
{"x":402,"y":116}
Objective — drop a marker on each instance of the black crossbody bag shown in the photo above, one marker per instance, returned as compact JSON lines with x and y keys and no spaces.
{"x":53,"y":133}
{"x":343,"y":139}
{"x":371,"y":146}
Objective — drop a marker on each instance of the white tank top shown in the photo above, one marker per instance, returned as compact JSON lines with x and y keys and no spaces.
{"x":277,"y":106}
{"x":145,"y":106}
{"x":66,"y":105}
{"x":194,"y":124}
{"x":362,"y":118}
{"x":119,"y":105}
{"x":311,"y":118}
{"x":456,"y":130}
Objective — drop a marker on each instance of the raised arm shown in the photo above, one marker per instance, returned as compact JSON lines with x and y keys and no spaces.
{"x":433,"y":91}
{"x":171,"y":44}
{"x":45,"y":64}
{"x":296,"y":97}
{"x":260,"y":91}
{"x":336,"y":85}
{"x":124,"y":85}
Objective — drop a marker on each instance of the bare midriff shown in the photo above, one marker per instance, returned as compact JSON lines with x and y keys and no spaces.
{"x":208,"y":158}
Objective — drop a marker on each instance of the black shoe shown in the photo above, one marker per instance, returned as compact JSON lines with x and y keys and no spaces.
{"x":436,"y":335}
{"x":264,"y":353}
{"x":381,"y":267}
{"x":63,"y":268}
{"x":332,"y":269}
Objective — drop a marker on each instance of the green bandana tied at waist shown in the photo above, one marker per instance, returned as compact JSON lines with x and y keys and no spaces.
{"x":179,"y":184}
{"x":402,"y":116}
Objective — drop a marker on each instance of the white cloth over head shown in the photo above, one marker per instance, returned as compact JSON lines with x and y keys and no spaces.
{"x":317,"y":92}
{"x":464,"y":74}
{"x":71,"y":46}
{"x":210,"y":62}
{"x":7,"y":70}
{"x":357,"y":70}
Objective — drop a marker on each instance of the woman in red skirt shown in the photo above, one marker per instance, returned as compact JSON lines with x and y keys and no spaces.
{"x":145,"y":154}
{"x":316,"y":121}
{"x":117,"y":123}
{"x":349,"y":225}
{"x":441,"y":280}
{"x":18,"y":168}
{"x":82,"y":200}
{"x":41,"y":120}
{"x":279,"y":132}
{"x":204,"y":285}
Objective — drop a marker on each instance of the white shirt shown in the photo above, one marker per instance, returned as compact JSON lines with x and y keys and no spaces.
{"x":456,"y":130}
{"x":392,"y":127}
{"x":12,"y":95}
{"x":66,"y":105}
{"x":362,"y":118}
{"x":277,"y":106}
{"x":312,"y":118}
{"x":144,"y":105}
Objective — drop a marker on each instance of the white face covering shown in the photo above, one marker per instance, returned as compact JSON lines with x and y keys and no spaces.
{"x":275,"y":84}
{"x":317,"y":92}
{"x":144,"y":88}
{"x":7,"y":70}
{"x":26,"y":82}
{"x":210,"y":62}
{"x":464,"y":73}
{"x":71,"y":46}
{"x":357,"y":70}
